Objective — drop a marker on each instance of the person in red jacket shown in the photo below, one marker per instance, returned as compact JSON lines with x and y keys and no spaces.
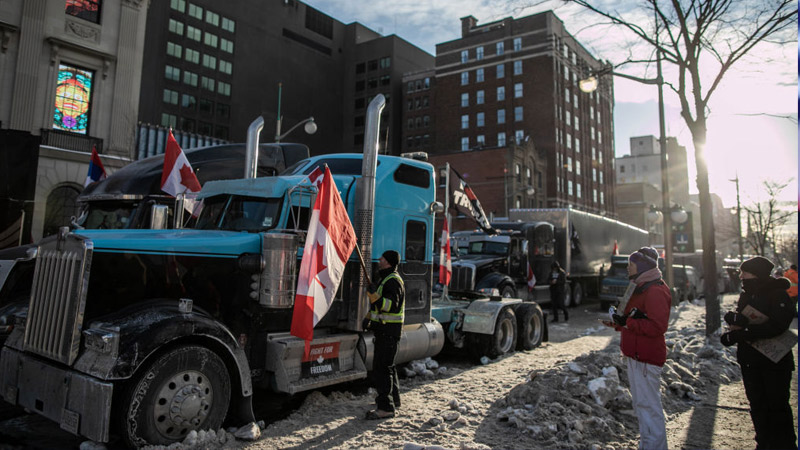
{"x":643,"y":324}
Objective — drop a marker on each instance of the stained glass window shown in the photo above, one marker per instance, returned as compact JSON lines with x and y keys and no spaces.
{"x":85,"y":9}
{"x":73,"y":99}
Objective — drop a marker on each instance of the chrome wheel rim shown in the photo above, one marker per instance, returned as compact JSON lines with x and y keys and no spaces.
{"x":182,"y":403}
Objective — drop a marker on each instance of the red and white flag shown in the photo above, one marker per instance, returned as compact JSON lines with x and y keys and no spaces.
{"x":445,"y":266}
{"x":531,"y":277}
{"x":329,"y":243}
{"x":177,"y":176}
{"x":615,"y":250}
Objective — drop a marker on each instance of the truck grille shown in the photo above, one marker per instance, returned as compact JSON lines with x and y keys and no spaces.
{"x":463,"y":277}
{"x":58,"y":297}
{"x":617,"y":291}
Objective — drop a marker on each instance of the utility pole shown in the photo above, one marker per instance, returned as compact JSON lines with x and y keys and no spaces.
{"x":739,"y":219}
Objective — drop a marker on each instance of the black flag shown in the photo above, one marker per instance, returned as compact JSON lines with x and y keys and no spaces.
{"x":466,"y":202}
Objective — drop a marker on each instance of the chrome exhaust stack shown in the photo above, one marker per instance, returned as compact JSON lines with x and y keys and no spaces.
{"x":251,"y":157}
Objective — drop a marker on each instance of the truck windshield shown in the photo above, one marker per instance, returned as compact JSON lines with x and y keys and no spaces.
{"x":237,"y":213}
{"x":488,"y":248}
{"x":108,"y":216}
{"x":618,"y":271}
{"x":338,"y":166}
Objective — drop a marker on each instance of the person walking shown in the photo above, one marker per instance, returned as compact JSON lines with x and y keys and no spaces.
{"x":387,"y":310}
{"x":766,"y":383}
{"x":643,"y":324}
{"x":791,"y":275}
{"x":558,"y":287}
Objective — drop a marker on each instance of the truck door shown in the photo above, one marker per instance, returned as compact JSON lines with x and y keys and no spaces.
{"x":416,"y":270}
{"x":517,"y":262}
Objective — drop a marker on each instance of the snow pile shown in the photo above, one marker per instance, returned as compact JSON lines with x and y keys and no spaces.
{"x":425,"y":368}
{"x":204,"y":439}
{"x":586,"y":402}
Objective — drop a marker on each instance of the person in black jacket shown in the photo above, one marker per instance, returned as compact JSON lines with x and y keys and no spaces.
{"x":386,"y":313}
{"x":766,"y":383}
{"x":558,"y":286}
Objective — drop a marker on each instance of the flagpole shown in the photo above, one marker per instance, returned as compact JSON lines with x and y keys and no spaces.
{"x":446,"y":215}
{"x":363,"y":266}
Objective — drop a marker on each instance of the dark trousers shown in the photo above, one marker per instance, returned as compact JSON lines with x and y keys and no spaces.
{"x":768,"y":394}
{"x":556,"y":304}
{"x":384,"y":373}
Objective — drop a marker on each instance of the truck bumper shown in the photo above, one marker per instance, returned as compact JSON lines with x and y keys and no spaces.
{"x":78,"y":403}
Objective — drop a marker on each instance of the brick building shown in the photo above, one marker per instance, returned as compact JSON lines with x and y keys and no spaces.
{"x":516,"y":81}
{"x":419,"y":125}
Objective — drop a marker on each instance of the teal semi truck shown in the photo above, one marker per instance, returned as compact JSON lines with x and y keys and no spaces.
{"x":150,"y":334}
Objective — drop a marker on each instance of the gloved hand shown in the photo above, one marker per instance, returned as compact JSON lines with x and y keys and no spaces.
{"x":373,"y":296}
{"x":636,"y":314}
{"x":372,"y":288}
{"x":365,"y":324}
{"x":731,"y":337}
{"x":734,"y":318}
{"x":619,"y":320}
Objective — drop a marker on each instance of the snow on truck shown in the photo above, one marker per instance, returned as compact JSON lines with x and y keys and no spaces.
{"x":150,"y":334}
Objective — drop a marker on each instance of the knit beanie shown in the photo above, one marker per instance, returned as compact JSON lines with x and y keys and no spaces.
{"x":759,"y":266}
{"x":392,"y":257}
{"x":645,"y":258}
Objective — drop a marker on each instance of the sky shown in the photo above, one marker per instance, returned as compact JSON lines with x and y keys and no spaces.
{"x":752,"y":126}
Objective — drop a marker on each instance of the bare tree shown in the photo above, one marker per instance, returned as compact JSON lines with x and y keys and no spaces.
{"x":766,"y":218}
{"x":787,"y":249}
{"x":701,"y":38}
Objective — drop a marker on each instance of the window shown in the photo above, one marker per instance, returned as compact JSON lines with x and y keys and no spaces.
{"x":575,"y":100}
{"x":418,"y":85}
{"x":621,"y":168}
{"x":187,"y":124}
{"x":479,"y":98}
{"x":594,"y":195}
{"x":578,"y":189}
{"x":479,"y":53}
{"x":479,"y":75}
{"x":410,"y":123}
{"x":190,"y":78}
{"x":517,"y":173}
{"x":591,"y":112}
{"x":193,"y":56}
{"x":528,"y":176}
{"x":481,"y":140}
{"x":174,"y":49}
{"x":577,"y":125}
{"x":566,"y":73}
{"x":480,"y":119}
{"x":385,"y":80}
{"x":499,"y":50}
{"x":206,"y":106}
{"x":372,"y":65}
{"x":464,"y":56}
{"x":176,"y":27}
{"x":517,"y":90}
{"x":385,"y":62}
{"x":204,"y":128}
{"x":517,"y":67}
{"x":211,"y":39}
{"x":501,"y":116}
{"x":465,"y":121}
{"x":501,"y":71}
{"x":569,"y":163}
{"x":73,"y":101}
{"x":212,"y":18}
{"x":426,"y":121}
{"x":517,"y":44}
{"x":226,"y":45}
{"x":464,"y":143}
{"x":465,"y":99}
{"x":519,"y":136}
{"x":601,"y":177}
{"x":518,"y":114}
{"x":418,"y":122}
{"x":208,"y":83}
{"x":225,"y":67}
{"x":602,"y":200}
{"x":427,"y":83}
{"x":172,"y":73}
{"x":411,"y":175}
{"x":569,"y":140}
{"x":188,"y":101}
{"x":568,"y":118}
{"x":464,"y":78}
{"x":210,"y":62}
{"x":416,"y":244}
{"x":169,"y":120}
{"x":372,"y":83}
{"x":224,"y":88}
{"x":170,"y":97}
{"x":410,"y":87}
{"x":228,"y":25}
{"x":501,"y":93}
{"x":178,"y":5}
{"x":577,"y":167}
{"x":577,"y":143}
{"x":360,"y":67}
{"x":501,"y":139}
{"x":566,"y":95}
{"x":88,"y":10}
{"x":569,"y":187}
{"x":195,"y":11}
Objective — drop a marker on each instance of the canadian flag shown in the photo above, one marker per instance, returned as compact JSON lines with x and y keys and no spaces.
{"x":177,"y":176}
{"x":445,"y":266}
{"x":615,"y":250}
{"x":329,"y":243}
{"x":531,"y":278}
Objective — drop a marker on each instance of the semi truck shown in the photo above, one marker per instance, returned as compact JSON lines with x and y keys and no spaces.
{"x":581,"y":242}
{"x":172,"y":329}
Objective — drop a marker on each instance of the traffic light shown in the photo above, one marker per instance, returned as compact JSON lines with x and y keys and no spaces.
{"x":683,"y":235}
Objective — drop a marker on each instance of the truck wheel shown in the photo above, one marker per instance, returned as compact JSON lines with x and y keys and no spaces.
{"x":508,"y":292}
{"x":530,"y":324}
{"x":502,"y":341}
{"x":577,"y":294}
{"x":188,"y":388}
{"x":567,"y":297}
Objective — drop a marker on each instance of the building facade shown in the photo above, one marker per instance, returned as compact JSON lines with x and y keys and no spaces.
{"x":419,"y":121}
{"x":516,"y":80}
{"x":643,"y":165}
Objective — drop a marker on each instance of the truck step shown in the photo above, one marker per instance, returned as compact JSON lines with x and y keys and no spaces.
{"x":305,"y":384}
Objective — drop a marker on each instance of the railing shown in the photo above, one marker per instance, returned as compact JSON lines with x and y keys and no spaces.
{"x":71,"y":141}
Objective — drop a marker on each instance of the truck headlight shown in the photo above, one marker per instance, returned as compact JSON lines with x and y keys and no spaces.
{"x":102,"y":338}
{"x":491,"y":292}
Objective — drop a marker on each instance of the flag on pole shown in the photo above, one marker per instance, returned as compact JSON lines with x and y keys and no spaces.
{"x":531,"y":277}
{"x":96,"y":170}
{"x":177,"y":176}
{"x":329,"y":243}
{"x":466,"y":202}
{"x":615,"y":251}
{"x":445,"y":266}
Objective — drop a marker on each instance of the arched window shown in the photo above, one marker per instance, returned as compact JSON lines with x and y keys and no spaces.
{"x":61,"y":206}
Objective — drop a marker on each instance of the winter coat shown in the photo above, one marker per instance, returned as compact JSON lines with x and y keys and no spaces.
{"x":770,"y":298}
{"x":643,"y":339}
{"x":791,"y":275}
{"x":557,"y":290}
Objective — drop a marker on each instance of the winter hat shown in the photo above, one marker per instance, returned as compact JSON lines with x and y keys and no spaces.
{"x":759,"y":266}
{"x":392,"y":257}
{"x":645,"y":258}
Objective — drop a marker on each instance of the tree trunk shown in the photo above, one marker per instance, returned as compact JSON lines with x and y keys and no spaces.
{"x":699,"y":131}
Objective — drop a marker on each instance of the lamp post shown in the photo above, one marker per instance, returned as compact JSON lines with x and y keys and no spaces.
{"x":310,"y":125}
{"x":738,"y":219}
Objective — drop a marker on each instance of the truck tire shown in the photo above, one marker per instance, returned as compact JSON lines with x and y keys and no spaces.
{"x":187,"y":388}
{"x":577,"y":294}
{"x":568,"y":296}
{"x":530,"y":326}
{"x":508,"y":292}
{"x":502,"y":341}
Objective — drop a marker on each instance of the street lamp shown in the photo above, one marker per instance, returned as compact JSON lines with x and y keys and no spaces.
{"x":310,"y":125}
{"x":590,"y":84}
{"x":738,"y":219}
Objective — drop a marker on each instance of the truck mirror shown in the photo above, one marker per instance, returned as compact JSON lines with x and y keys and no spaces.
{"x":159,"y":215}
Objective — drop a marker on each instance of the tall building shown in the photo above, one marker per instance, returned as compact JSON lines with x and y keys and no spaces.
{"x":213,"y":68}
{"x":516,"y":80}
{"x":418,"y":113}
{"x":643,"y":165}
{"x":70,"y":73}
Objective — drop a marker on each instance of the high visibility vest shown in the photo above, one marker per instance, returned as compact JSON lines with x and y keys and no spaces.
{"x":792,"y":276}
{"x":384,"y":305}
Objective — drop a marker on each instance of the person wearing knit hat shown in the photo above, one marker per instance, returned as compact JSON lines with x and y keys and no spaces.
{"x":766,"y":383}
{"x":386,"y":314}
{"x":643,"y":324}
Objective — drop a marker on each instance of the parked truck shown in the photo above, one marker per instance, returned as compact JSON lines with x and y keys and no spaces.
{"x":172,"y":329}
{"x":581,"y":242}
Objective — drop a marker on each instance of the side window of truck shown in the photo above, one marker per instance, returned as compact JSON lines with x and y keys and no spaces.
{"x":414,"y":176}
{"x":416,"y":232}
